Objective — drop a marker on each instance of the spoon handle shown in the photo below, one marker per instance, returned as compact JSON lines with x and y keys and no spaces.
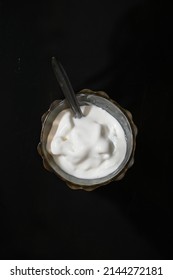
{"x":66,"y":87}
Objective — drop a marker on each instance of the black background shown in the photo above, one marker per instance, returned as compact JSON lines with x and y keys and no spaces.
{"x":121,"y":47}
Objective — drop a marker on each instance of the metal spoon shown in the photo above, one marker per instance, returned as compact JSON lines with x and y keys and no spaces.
{"x":66,"y":87}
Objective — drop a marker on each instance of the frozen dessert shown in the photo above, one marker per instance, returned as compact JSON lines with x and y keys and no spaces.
{"x":90,"y":147}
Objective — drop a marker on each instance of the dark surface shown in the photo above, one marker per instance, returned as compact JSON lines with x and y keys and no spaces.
{"x":123,"y":48}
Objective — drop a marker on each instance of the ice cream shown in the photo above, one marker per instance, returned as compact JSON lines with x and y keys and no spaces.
{"x":90,"y":147}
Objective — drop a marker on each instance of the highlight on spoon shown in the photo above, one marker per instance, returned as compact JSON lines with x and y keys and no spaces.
{"x":66,"y":87}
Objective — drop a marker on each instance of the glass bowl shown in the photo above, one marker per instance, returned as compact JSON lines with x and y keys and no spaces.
{"x":124,"y":117}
